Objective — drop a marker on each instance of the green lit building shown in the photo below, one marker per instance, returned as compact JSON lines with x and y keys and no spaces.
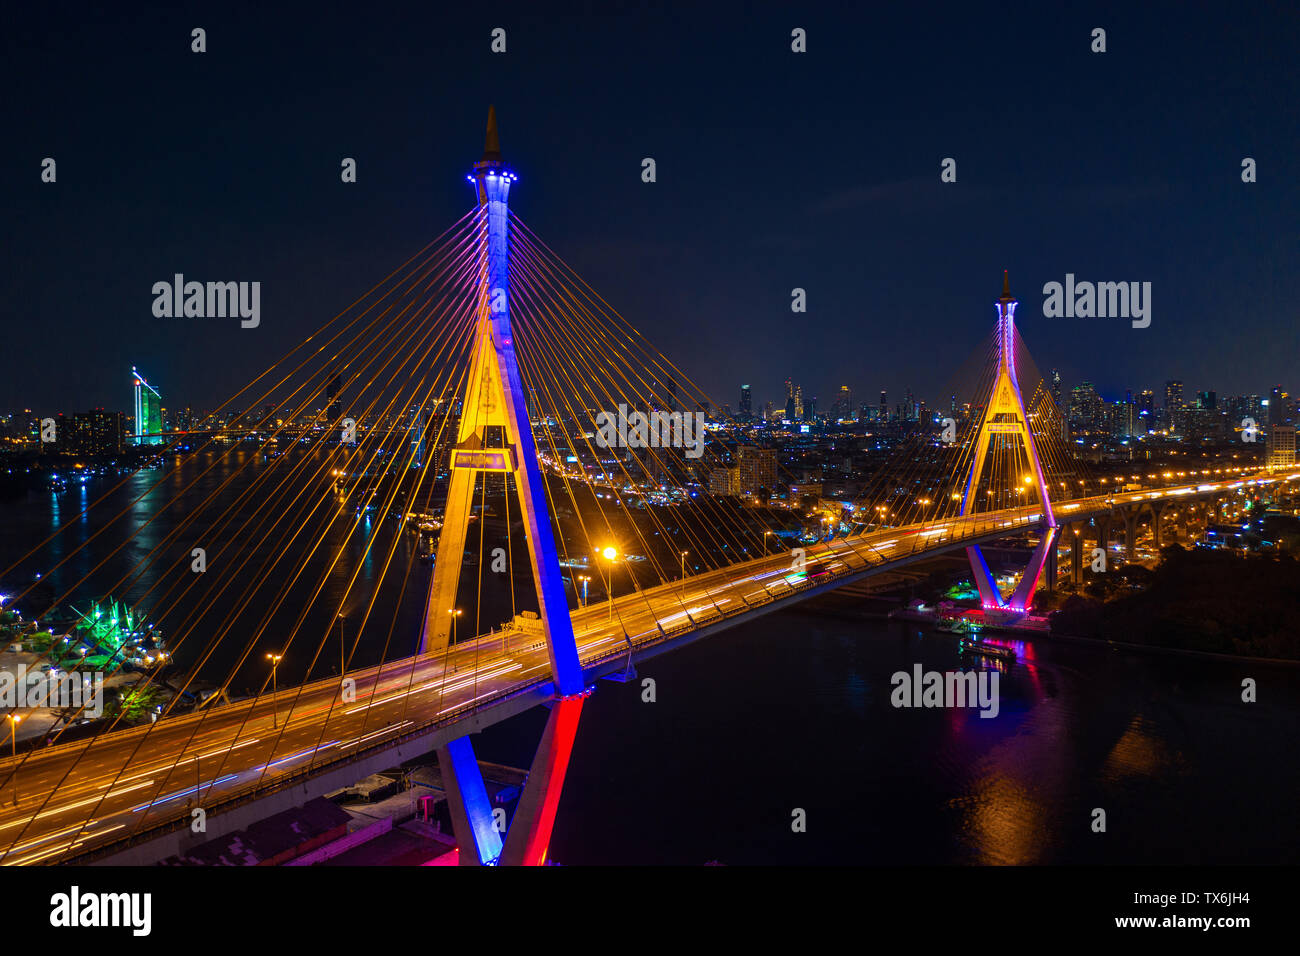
{"x":148,"y":412}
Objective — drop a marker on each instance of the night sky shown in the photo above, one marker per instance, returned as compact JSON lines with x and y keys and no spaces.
{"x":775,"y":170}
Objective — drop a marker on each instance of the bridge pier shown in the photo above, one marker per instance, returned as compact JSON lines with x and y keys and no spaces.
{"x":1103,"y":527}
{"x":467,"y":802}
{"x":528,"y":837}
{"x":1130,"y":534}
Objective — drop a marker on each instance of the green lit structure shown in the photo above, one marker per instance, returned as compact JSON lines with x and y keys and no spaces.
{"x":148,"y":411}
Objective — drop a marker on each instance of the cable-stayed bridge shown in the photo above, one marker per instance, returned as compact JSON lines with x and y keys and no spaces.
{"x":484,"y":372}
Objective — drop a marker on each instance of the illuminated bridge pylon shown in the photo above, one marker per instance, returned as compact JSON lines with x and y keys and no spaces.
{"x":1004,"y":415}
{"x":494,"y":405}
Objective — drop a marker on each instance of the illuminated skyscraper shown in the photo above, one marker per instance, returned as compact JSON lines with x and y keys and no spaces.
{"x":334,"y":408}
{"x":96,"y":433}
{"x":1280,"y":407}
{"x":846,"y":402}
{"x":148,"y":411}
{"x":1147,"y":408}
{"x":1173,"y":404}
{"x":1281,"y":446}
{"x":746,"y":404}
{"x":1087,"y":410}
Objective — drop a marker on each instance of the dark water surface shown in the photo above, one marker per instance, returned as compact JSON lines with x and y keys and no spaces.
{"x":793,"y":711}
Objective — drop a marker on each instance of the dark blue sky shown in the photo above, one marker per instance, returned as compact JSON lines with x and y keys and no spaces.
{"x":775,"y":170}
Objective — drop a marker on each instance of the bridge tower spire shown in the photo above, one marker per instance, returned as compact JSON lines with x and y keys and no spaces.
{"x":1004,"y":415}
{"x":494,"y":405}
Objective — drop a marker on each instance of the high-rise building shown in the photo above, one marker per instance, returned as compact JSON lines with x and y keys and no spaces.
{"x":746,"y":404}
{"x":96,"y":432}
{"x":1245,"y":406}
{"x":1173,"y":404}
{"x":1280,"y":410}
{"x":333,"y":406}
{"x":798,"y":402}
{"x":757,"y":467}
{"x":724,"y":481}
{"x":884,"y":407}
{"x":1087,"y":410}
{"x":148,"y":411}
{"x":768,"y":411}
{"x":1281,"y":446}
{"x":1147,"y":408}
{"x":846,"y":402}
{"x":1125,"y":423}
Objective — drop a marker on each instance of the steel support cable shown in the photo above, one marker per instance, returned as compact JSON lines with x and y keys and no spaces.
{"x":107,"y":494}
{"x":593,"y":374}
{"x":537,"y":354}
{"x":268,"y":503}
{"x":150,"y":729}
{"x":253,"y":706}
{"x":402,"y":468}
{"x":125,"y":511}
{"x":639,"y":360}
{"x":612,"y":318}
{"x":29,"y":754}
{"x":262,"y":478}
{"x":145,"y":736}
{"x":581,"y":338}
{"x":663,"y":531}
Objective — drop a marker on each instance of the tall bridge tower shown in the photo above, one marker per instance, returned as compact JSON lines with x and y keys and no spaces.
{"x":1005,"y":415}
{"x":495,"y":435}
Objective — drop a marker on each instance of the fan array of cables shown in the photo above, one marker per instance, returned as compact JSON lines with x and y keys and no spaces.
{"x":295,"y":520}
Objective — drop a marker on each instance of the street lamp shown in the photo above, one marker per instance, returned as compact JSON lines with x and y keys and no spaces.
{"x":14,"y":720}
{"x":343,"y":667}
{"x":684,"y":554}
{"x":275,"y":686}
{"x":455,"y":613}
{"x":610,"y":553}
{"x":584,"y":578}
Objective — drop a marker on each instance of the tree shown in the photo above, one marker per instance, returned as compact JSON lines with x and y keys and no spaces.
{"x":132,"y":704}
